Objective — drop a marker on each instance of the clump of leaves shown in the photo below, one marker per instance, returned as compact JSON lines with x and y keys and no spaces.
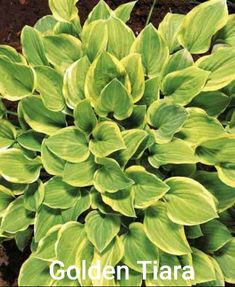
{"x":122,"y":146}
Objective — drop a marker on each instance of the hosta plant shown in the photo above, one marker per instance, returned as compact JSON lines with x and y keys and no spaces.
{"x":123,"y":146}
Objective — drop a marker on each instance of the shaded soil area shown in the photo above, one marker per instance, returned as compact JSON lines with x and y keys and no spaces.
{"x":14,"y":14}
{"x":11,"y":260}
{"x":17,"y":13}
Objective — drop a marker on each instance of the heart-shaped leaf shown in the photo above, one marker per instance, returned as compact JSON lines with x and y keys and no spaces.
{"x":109,"y":226}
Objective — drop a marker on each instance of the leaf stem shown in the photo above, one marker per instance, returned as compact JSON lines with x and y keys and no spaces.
{"x":11,"y":113}
{"x":151,"y":12}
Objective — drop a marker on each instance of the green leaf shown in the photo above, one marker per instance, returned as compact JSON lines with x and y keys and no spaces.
{"x":187,"y":170}
{"x":135,"y":71}
{"x":216,"y":235}
{"x":188,"y":202}
{"x":80,"y":174}
{"x":107,"y":139}
{"x":95,"y":38}
{"x":182,"y":86}
{"x":31,"y":140}
{"x":81,"y":206}
{"x":224,"y":193}
{"x":62,"y":50}
{"x":63,"y":9}
{"x":151,"y":91}
{"x":102,"y":71}
{"x":6,"y":197}
{"x":46,"y":246}
{"x":16,"y":167}
{"x":137,"y":118}
{"x":163,"y":280}
{"x":11,"y":54}
{"x":98,"y":203}
{"x":214,"y":103}
{"x":217,"y":150}
{"x":120,"y":38}
{"x":219,"y":280}
{"x":2,"y":110}
{"x":16,"y":217}
{"x":33,"y":196}
{"x":147,"y":43}
{"x":167,"y":118}
{"x":46,"y":24}
{"x":32,"y":46}
{"x":52,"y":163}
{"x":135,"y":141}
{"x":169,"y":28}
{"x":147,"y":187}
{"x":70,"y":144}
{"x":22,"y":122}
{"x":175,"y":152}
{"x":121,"y":201}
{"x":110,"y":256}
{"x":123,"y":11}
{"x":231,"y":127}
{"x":137,"y":247}
{"x":7,"y":134}
{"x":172,"y":237}
{"x":15,"y":188}
{"x":226,"y":260}
{"x":74,"y":82}
{"x":49,"y":85}
{"x":109,"y":226}
{"x":23,"y":238}
{"x":220,"y":64}
{"x":34,"y":272}
{"x":178,"y":61}
{"x":85,"y":251}
{"x":229,"y":90}
{"x":202,"y":263}
{"x":110,"y":177}
{"x":72,"y":28}
{"x":227,"y":34}
{"x":199,"y":126}
{"x":135,"y":279}
{"x":200,"y":24}
{"x":59,"y":194}
{"x":67,"y":250}
{"x":45,"y":219}
{"x":84,"y":117}
{"x":100,"y":11}
{"x":226,"y":172}
{"x":115,"y":99}
{"x":42,"y":269}
{"x":193,"y":232}
{"x":17,"y":81}
{"x":39,"y":118}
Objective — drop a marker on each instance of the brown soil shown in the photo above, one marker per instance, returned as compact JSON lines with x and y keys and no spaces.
{"x":17,"y":13}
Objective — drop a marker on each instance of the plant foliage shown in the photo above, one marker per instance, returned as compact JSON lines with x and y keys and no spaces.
{"x":123,"y":146}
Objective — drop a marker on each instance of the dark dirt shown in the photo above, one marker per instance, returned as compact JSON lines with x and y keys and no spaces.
{"x":14,"y":14}
{"x":11,"y":260}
